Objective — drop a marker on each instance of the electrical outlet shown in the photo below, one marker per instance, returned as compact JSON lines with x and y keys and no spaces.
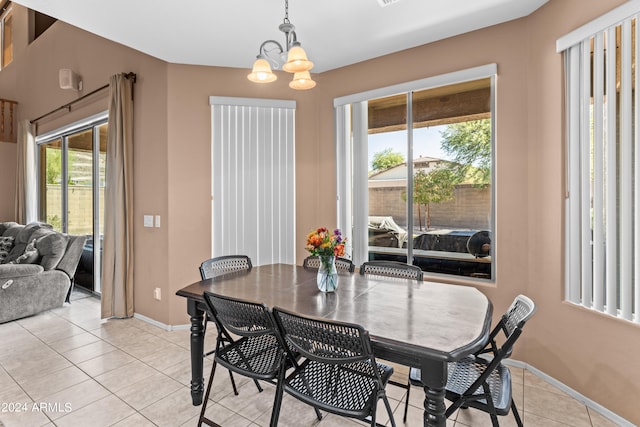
{"x":157,"y":294}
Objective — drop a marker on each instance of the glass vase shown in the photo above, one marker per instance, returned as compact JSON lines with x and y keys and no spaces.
{"x":327,"y":278}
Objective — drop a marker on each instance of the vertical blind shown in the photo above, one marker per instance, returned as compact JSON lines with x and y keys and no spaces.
{"x":253,"y":179}
{"x":603,"y":163}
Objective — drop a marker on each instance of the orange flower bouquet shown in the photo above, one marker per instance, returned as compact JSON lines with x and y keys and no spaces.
{"x":322,"y":243}
{"x":327,"y":246}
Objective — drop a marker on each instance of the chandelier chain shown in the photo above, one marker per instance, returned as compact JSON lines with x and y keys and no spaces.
{"x":286,"y":11}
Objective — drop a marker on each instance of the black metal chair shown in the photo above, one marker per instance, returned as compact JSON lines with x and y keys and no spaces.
{"x":485,"y":383}
{"x":257,"y":354}
{"x":391,"y":269}
{"x":339,"y":373}
{"x":342,"y":264}
{"x":399,"y":270}
{"x":219,"y":266}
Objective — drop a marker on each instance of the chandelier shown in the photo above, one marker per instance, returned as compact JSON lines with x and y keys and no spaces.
{"x":291,"y":58}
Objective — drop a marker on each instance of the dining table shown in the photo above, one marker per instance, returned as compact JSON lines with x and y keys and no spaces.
{"x":421,"y":324}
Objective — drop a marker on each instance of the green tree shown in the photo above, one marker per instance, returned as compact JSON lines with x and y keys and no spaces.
{"x":469,"y":145}
{"x":436,"y":186}
{"x":385,"y":159}
{"x":54,"y":165}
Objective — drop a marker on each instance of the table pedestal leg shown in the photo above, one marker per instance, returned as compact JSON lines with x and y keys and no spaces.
{"x":197,"y":350}
{"x":434,"y":378}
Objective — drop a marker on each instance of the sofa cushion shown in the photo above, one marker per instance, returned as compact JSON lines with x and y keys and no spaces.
{"x":29,"y":256}
{"x":51,"y":247}
{"x":23,"y":238}
{"x":4,"y":226}
{"x":6,"y":243}
{"x":19,"y":270}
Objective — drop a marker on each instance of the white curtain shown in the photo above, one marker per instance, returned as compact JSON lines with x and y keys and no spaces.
{"x":26,"y":191}
{"x":117,"y":269}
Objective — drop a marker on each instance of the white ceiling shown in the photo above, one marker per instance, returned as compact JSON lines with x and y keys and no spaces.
{"x":335,"y":33}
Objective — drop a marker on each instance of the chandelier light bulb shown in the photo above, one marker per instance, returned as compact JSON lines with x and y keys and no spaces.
{"x":261,"y":72}
{"x":297,"y":61}
{"x":302,"y":81}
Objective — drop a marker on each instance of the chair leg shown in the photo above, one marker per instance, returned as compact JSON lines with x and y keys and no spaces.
{"x":258,"y":385}
{"x":390,"y":412}
{"x":202,"y":418}
{"x":233,"y":383}
{"x":516,"y":415}
{"x":406,"y":403}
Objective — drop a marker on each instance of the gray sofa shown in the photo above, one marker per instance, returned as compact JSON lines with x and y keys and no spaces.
{"x":37,"y":265}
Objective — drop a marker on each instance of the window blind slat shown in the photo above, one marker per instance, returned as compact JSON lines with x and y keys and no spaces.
{"x":598,"y":174}
{"x":611,"y":262}
{"x":636,"y":209}
{"x":626,"y":176}
{"x":573,"y":282}
{"x":585,"y":179}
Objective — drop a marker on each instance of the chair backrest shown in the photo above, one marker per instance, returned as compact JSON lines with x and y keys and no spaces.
{"x":323,"y":340}
{"x":511,"y":323}
{"x":240,"y":317}
{"x":391,"y":269}
{"x":342,"y":264}
{"x":223,"y":265}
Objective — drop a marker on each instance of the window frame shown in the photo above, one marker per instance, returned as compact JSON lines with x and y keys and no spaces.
{"x":351,"y":161}
{"x":6,"y":13}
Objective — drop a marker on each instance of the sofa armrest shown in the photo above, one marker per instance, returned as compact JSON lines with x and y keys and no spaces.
{"x":12,"y":271}
{"x":71,"y":258}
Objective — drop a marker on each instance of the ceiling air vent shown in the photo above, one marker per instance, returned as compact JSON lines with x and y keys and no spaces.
{"x":385,"y":3}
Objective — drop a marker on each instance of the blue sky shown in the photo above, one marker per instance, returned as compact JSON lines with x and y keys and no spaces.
{"x":426,"y":142}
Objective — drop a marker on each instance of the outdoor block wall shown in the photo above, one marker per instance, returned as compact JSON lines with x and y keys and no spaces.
{"x":469,"y":209}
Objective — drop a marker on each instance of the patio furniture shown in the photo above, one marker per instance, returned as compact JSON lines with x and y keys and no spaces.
{"x":485,"y":383}
{"x":418,"y":309}
{"x":339,"y":373}
{"x":257,"y":354}
{"x":342,"y":264}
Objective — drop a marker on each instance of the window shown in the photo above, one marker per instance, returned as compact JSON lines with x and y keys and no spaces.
{"x":6,"y":35}
{"x":71,"y":182}
{"x":602,"y":220}
{"x":415,"y":173}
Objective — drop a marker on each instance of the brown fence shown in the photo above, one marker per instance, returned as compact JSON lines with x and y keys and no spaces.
{"x":80,"y":212}
{"x":470,"y":208}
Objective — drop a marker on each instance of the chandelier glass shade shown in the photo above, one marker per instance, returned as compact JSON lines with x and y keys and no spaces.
{"x":291,"y":58}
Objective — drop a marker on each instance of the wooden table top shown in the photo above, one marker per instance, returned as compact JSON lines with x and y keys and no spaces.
{"x":409,"y":319}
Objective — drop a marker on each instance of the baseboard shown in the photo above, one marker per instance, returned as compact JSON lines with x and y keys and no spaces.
{"x":571,"y":392}
{"x":160,"y":324}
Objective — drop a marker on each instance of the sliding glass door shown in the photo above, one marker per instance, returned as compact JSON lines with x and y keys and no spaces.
{"x":71,"y":189}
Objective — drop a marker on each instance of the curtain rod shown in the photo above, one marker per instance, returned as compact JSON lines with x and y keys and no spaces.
{"x":67,"y":106}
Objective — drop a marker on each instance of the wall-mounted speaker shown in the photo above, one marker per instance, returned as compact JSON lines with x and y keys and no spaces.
{"x":69,"y":80}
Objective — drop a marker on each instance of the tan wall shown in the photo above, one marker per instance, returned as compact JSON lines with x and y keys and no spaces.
{"x":591,"y":353}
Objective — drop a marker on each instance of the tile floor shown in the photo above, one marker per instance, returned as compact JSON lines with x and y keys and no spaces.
{"x":66,"y":367}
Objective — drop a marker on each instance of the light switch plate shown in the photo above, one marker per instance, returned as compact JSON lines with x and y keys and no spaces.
{"x":148,"y":220}
{"x":157,"y":221}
